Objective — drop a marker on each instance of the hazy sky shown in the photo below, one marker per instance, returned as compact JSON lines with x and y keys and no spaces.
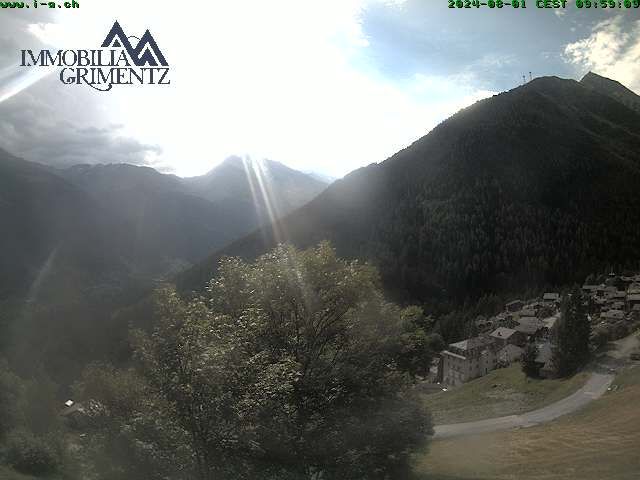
{"x":327,"y":86}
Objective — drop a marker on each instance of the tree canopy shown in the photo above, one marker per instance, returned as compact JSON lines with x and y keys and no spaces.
{"x":291,"y":367}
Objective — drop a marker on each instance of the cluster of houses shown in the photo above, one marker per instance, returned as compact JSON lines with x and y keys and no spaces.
{"x":614,"y":303}
{"x":501,"y":341}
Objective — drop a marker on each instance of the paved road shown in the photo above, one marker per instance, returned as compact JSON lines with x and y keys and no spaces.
{"x":601,"y":378}
{"x":595,"y":387}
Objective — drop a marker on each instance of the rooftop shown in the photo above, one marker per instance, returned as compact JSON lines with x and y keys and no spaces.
{"x":503,"y":332}
{"x":472,"y":343}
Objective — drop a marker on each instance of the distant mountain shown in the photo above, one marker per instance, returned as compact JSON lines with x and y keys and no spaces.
{"x":174,"y":222}
{"x":80,"y":243}
{"x":535,"y":186}
{"x":328,"y":179}
{"x":257,"y":189}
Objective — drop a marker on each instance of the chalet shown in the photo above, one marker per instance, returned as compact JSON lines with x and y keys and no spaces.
{"x":507,"y":336}
{"x":514,"y":306}
{"x":616,"y":305}
{"x":534,"y":307}
{"x":633,"y":289}
{"x":469,"y":359}
{"x":509,"y":354}
{"x":633,"y":300}
{"x":612,"y":316}
{"x":618,"y":295}
{"x":551,"y":298}
{"x":526,"y":312}
{"x":530,"y":327}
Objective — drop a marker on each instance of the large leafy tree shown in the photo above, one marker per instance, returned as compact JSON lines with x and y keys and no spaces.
{"x":289,"y":368}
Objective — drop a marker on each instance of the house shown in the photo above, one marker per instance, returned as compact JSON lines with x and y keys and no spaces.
{"x":618,"y":295}
{"x":514,"y":306}
{"x":633,"y":300}
{"x":469,"y":359}
{"x":551,"y":298}
{"x":612,"y":316}
{"x":533,"y":307}
{"x":526,"y":312}
{"x":530,"y":327}
{"x":616,"y":305}
{"x":509,"y":354}
{"x":590,"y":289}
{"x":507,"y":336}
{"x":610,"y":292}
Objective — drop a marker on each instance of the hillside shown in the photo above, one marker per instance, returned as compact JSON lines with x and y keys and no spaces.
{"x":535,"y":186}
{"x":613,"y":89}
{"x":53,"y":234}
{"x":80,"y":243}
{"x":174,"y":222}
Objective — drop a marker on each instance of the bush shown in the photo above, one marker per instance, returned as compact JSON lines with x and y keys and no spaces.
{"x":30,"y":454}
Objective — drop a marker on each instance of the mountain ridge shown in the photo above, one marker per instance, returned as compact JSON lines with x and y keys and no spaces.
{"x":527,"y":187}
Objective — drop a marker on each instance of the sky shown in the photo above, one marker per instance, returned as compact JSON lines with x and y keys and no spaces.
{"x":324,"y":86}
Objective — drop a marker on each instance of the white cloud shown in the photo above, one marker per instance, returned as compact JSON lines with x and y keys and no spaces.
{"x":612,"y":50}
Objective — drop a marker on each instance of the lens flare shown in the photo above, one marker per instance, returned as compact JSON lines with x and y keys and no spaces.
{"x":13,"y":80}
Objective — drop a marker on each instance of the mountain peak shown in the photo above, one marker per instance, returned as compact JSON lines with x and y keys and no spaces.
{"x":612,"y":89}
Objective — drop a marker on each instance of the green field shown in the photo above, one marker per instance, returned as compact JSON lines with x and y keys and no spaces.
{"x":601,"y":441}
{"x":502,"y":392}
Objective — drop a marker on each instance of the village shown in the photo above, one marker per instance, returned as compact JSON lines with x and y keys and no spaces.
{"x":614,"y":311}
{"x":613,"y":305}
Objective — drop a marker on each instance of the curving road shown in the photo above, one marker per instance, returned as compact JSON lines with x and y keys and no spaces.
{"x":595,"y":387}
{"x":601,"y":378}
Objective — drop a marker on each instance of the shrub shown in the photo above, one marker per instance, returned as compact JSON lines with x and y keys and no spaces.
{"x":30,"y":454}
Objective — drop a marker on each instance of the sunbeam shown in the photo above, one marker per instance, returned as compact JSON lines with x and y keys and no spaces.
{"x":13,"y":80}
{"x":262,"y":195}
{"x":42,"y":275}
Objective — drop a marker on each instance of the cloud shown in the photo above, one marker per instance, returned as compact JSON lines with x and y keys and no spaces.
{"x":289,"y":80}
{"x":42,"y":122}
{"x":612,"y":49}
{"x":36,"y":130}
